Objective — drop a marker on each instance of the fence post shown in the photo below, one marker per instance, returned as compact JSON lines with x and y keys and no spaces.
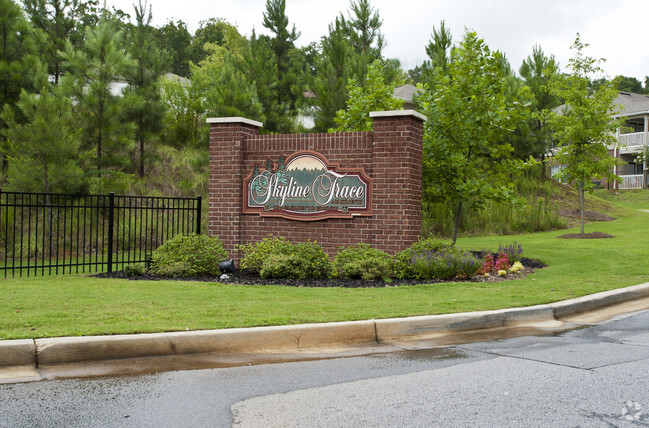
{"x":111,"y":207}
{"x":199,"y":199}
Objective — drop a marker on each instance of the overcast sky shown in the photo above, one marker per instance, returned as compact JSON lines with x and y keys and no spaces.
{"x":617,"y":30}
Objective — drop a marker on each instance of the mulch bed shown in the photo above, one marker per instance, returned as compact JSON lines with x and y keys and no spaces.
{"x":591,"y":235}
{"x":243,"y":278}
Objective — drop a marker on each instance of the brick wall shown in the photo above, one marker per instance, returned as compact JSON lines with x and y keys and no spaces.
{"x":391,"y":155}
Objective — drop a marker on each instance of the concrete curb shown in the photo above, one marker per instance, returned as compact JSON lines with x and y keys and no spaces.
{"x":601,"y":300}
{"x":296,"y":338}
{"x":430,"y":325}
{"x":292,"y":338}
{"x":17,"y":352}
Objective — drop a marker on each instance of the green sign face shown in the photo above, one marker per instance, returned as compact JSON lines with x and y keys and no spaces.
{"x":304,"y":186}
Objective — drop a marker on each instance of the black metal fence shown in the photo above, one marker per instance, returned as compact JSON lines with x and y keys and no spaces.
{"x":51,"y":233}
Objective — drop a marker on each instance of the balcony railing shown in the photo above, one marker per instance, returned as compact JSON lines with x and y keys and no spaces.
{"x":631,"y":181}
{"x":632,"y":140}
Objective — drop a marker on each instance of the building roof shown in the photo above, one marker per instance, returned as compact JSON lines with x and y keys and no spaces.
{"x":405,"y":92}
{"x":632,"y":103}
{"x":177,"y":78}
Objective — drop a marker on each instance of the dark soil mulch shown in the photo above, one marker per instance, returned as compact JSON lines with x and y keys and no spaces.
{"x":591,"y":235}
{"x":244,"y":278}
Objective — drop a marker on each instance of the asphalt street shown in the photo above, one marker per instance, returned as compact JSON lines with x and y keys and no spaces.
{"x":594,"y":376}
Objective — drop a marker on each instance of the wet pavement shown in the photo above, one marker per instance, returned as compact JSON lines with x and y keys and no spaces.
{"x":593,"y":376}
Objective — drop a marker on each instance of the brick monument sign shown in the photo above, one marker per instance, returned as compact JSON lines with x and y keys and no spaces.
{"x":337,"y":189}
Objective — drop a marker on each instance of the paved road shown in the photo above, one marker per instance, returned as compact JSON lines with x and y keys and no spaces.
{"x":596,"y":376}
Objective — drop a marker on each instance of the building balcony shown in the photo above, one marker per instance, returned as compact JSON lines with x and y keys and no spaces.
{"x":632,"y":142}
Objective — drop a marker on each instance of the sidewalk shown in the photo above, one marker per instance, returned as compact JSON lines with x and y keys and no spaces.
{"x":41,"y":359}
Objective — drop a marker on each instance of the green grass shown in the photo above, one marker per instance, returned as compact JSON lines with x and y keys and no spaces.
{"x":75,"y":305}
{"x":633,"y":198}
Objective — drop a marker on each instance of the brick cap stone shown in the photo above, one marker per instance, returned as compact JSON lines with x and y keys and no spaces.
{"x":393,"y":113}
{"x":234,"y":120}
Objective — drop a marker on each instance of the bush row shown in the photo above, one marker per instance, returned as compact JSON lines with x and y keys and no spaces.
{"x":276,"y":257}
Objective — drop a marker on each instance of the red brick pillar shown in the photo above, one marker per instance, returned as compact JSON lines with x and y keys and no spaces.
{"x":397,"y":174}
{"x":227,"y":140}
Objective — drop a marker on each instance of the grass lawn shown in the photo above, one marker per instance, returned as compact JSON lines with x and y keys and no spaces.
{"x":74,"y":305}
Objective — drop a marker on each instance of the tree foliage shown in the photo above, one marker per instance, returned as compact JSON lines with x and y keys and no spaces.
{"x":175,"y":38}
{"x":281,"y":111}
{"x":94,"y":70}
{"x":376,"y":95}
{"x":45,"y":147}
{"x":629,"y":84}
{"x":229,"y":89}
{"x":534,"y":137}
{"x":17,"y":61}
{"x":438,"y":49}
{"x":333,"y":68}
{"x":363,"y":29}
{"x":466,"y":153}
{"x":146,"y":107}
{"x":585,"y":129}
{"x":59,"y":21}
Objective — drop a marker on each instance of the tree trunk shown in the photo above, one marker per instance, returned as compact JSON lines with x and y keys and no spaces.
{"x":581,"y":205}
{"x":457,"y":221}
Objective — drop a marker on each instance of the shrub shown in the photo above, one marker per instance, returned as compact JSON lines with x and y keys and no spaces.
{"x":189,"y":255}
{"x":175,"y":269}
{"x":403,"y":261}
{"x":284,"y":266}
{"x":254,"y":254}
{"x":316,"y":260}
{"x":360,"y":261}
{"x":136,"y":269}
{"x":302,"y":260}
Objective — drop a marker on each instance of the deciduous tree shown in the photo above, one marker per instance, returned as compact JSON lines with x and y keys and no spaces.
{"x":586,"y":129}
{"x":175,"y":38}
{"x":376,"y":95}
{"x":467,"y":158}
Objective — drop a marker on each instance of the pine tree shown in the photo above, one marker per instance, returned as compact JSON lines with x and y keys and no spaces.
{"x":146,"y":108}
{"x":228,"y":89}
{"x":17,"y":61}
{"x":333,"y":67}
{"x":59,"y":22}
{"x":536,"y":71}
{"x":45,"y":148}
{"x":438,"y":50}
{"x":95,"y":70}
{"x":289,"y":70}
{"x":363,"y":27}
{"x":256,"y":67}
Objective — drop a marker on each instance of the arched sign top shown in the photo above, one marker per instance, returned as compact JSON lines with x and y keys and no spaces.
{"x":305,"y":186}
